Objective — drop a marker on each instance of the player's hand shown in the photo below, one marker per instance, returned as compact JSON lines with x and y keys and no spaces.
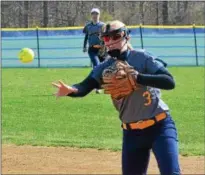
{"x":63,"y":89}
{"x":84,"y":50}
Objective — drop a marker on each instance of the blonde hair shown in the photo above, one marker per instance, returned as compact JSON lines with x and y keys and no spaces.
{"x":129,"y":46}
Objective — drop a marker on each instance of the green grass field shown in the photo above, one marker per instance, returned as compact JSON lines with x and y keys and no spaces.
{"x":31,"y":115}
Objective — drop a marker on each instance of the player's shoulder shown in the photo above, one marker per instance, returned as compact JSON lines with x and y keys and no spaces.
{"x":140,"y":53}
{"x":144,"y":55}
{"x":86,"y":26}
{"x":88,"y":23}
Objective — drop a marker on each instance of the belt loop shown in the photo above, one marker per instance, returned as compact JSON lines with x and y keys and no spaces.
{"x":155,"y":120}
{"x":125,"y":126}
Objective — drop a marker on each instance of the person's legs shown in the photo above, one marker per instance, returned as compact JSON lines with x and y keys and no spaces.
{"x":165,"y":148}
{"x":93,"y":57}
{"x":93,"y":54}
{"x":135,"y":156}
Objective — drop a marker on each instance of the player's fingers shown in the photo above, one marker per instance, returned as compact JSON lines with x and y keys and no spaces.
{"x":61,"y":83}
{"x":110,"y":90}
{"x":120,"y":77}
{"x":105,"y":86}
{"x":107,"y":81}
{"x":114,"y":86}
{"x":55,"y":85}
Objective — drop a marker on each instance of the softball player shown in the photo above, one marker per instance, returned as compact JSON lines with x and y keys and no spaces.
{"x":146,"y":121}
{"x":92,"y":31}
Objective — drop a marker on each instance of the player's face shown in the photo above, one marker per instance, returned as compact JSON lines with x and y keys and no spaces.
{"x":116,"y":41}
{"x":95,"y":16}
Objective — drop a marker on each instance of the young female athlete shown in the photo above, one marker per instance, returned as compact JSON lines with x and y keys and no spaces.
{"x":146,"y":121}
{"x":92,"y":31}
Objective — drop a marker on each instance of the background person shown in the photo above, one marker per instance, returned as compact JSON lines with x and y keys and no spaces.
{"x":92,"y":30}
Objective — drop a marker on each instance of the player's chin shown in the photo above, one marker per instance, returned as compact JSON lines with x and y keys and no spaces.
{"x":112,"y":48}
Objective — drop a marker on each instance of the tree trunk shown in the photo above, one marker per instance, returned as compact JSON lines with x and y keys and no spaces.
{"x":104,"y":5}
{"x":26,"y":11}
{"x":3,"y":18}
{"x":157,"y":14}
{"x":45,"y":13}
{"x":141,"y":9}
{"x":112,"y":8}
{"x":56,"y":13}
{"x":203,"y":22}
{"x":185,"y":6}
{"x":20,"y":17}
{"x":165,"y":12}
{"x":178,"y":6}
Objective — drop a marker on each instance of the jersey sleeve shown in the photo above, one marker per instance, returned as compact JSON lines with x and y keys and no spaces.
{"x":153,"y":64}
{"x":85,"y":87}
{"x":85,"y":29}
{"x":97,"y":74}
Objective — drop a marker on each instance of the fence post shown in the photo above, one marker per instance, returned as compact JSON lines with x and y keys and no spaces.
{"x":38,"y":48}
{"x":141,"y":37}
{"x":195,"y":44}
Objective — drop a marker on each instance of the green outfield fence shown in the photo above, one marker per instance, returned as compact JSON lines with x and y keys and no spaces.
{"x":62,"y":46}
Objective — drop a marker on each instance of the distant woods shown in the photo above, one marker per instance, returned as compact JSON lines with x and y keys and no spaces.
{"x":76,"y":13}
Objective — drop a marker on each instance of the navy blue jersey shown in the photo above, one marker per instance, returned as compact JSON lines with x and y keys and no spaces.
{"x":93,"y":31}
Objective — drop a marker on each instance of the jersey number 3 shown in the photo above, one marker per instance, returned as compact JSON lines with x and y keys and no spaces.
{"x":147,"y":95}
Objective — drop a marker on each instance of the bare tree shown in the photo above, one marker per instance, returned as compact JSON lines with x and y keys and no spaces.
{"x":203,"y":7}
{"x":4,"y":6}
{"x":141,"y":8}
{"x":165,"y":12}
{"x":157,"y":13}
{"x":26,"y":11}
{"x":111,"y":8}
{"x":185,"y":3}
{"x":69,"y":13}
{"x":45,"y":13}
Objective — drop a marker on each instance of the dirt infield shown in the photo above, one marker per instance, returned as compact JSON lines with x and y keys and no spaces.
{"x":63,"y":160}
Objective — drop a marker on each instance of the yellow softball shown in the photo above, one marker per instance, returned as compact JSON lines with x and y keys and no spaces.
{"x":26,"y":55}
